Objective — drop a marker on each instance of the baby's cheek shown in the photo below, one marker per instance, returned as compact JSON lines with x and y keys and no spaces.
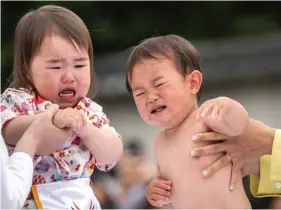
{"x":46,"y":84}
{"x":83,"y":90}
{"x":84,"y":86}
{"x":46,"y":91}
{"x":143,"y":113}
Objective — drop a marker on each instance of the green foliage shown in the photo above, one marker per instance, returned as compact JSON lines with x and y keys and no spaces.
{"x":116,"y":26}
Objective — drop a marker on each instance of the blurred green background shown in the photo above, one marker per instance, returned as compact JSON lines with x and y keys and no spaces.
{"x":115,"y":26}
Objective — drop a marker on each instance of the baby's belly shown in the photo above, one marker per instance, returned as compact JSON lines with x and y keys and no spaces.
{"x":191,"y":190}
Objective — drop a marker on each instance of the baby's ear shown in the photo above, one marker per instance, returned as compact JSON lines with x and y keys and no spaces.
{"x":195,"y":81}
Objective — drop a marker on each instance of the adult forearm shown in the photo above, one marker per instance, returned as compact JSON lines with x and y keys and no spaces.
{"x":264,"y":136}
{"x":27,"y":144}
{"x":14,"y":129}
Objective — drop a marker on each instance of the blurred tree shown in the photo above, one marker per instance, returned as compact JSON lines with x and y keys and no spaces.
{"x":115,"y":26}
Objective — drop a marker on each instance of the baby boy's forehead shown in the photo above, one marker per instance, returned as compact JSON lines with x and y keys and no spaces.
{"x":151,"y":80}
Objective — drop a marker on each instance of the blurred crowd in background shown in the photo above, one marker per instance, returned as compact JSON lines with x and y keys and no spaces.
{"x":125,"y":185}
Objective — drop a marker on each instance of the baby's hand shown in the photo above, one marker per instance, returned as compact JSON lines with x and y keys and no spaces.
{"x":232,"y":115}
{"x":214,"y":108}
{"x":69,"y":118}
{"x":158,"y":192}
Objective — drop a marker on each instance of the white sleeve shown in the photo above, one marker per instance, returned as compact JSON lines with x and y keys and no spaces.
{"x":16,"y":178}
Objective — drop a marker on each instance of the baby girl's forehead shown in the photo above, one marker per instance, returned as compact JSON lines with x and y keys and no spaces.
{"x":58,"y":46}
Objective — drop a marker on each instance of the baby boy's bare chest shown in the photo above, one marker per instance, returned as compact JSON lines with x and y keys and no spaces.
{"x":174,"y":153}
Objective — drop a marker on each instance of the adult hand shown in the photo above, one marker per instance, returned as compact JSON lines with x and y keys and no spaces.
{"x":42,"y":136}
{"x":243,"y":151}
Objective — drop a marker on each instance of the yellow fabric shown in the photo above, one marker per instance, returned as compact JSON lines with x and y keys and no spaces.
{"x":36,"y":197}
{"x":268,"y":184}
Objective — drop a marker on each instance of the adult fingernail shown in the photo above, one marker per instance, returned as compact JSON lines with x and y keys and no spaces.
{"x":194,"y":138}
{"x":205,"y":173}
{"x":193,"y":153}
{"x":232,"y":187}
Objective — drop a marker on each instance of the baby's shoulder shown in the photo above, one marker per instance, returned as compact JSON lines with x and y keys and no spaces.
{"x":20,"y":92}
{"x":191,"y":127}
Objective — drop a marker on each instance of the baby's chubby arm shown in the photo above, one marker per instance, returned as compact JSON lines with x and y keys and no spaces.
{"x":105,"y":144}
{"x":224,"y":115}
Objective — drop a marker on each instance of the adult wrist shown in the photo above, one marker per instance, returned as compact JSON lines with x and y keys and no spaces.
{"x":262,"y":135}
{"x":27,"y":144}
{"x":269,"y":138}
{"x":265,"y":137}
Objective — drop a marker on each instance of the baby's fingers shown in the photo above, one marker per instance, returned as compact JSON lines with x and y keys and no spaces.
{"x":154,"y":203}
{"x":158,"y":198}
{"x":160,"y":191}
{"x":162,"y":185}
{"x":75,"y":121}
{"x":216,"y":111}
{"x":205,"y":109}
{"x":69,"y":122}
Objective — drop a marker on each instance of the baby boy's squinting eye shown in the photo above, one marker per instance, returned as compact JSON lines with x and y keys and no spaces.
{"x":139,"y":94}
{"x":160,"y":84}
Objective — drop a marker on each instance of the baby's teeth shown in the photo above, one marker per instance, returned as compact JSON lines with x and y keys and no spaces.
{"x":66,"y":94}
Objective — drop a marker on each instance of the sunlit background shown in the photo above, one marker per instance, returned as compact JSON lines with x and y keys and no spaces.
{"x":240,"y":47}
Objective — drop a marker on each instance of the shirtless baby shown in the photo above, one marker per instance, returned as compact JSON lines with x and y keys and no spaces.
{"x":163,"y":74}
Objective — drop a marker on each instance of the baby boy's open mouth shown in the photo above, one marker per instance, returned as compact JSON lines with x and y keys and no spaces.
{"x":158,"y":110}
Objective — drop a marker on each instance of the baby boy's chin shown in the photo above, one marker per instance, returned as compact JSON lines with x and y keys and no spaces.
{"x":158,"y":124}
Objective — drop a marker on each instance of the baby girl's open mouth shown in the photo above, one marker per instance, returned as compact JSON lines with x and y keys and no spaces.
{"x":67,"y":94}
